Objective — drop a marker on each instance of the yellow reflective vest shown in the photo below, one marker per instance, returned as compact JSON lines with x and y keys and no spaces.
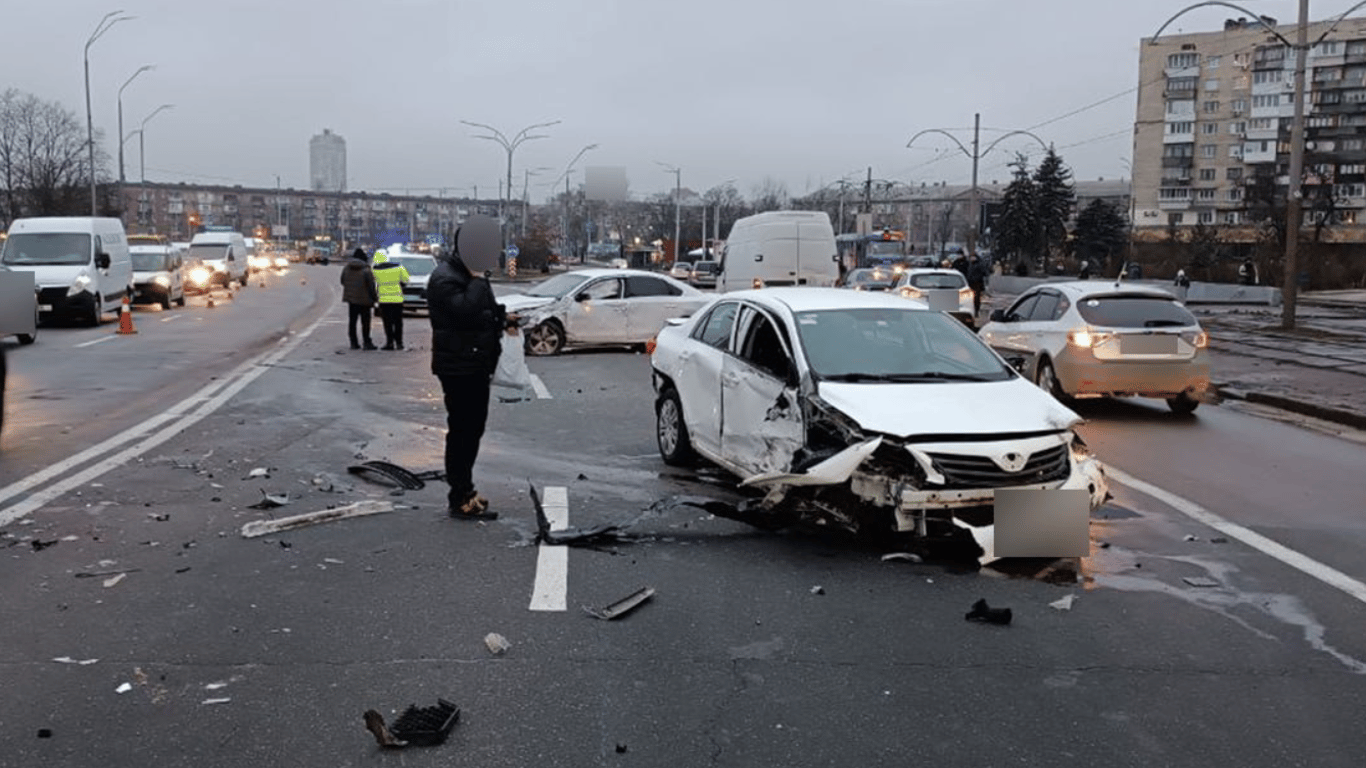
{"x":389,"y":279}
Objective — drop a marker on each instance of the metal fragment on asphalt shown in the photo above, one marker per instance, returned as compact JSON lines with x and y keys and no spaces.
{"x":623,"y":606}
{"x":359,"y":509}
{"x":1200,"y":581}
{"x":1063,"y":603}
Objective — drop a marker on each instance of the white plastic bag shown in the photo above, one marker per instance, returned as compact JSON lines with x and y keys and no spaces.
{"x":512,"y":372}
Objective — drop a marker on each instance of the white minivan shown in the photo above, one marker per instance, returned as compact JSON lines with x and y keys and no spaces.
{"x":779,"y":248}
{"x":80,"y":264}
{"x":225,"y":253}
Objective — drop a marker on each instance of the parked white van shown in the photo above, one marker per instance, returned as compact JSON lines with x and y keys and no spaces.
{"x":779,"y":248}
{"x":157,"y":274}
{"x":225,"y":253}
{"x":79,"y":263}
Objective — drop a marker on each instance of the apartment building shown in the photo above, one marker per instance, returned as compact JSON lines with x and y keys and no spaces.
{"x":1212,"y":129}
{"x":327,"y":162}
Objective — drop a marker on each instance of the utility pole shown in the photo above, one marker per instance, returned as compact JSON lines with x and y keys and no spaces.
{"x":510,"y":146}
{"x":1294,"y":195}
{"x":109,"y":20}
{"x":678,"y":211}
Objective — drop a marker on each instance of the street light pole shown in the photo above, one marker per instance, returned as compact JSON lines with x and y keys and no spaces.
{"x":564,"y":222}
{"x":109,"y":20}
{"x":678,"y":188}
{"x":510,"y":146}
{"x":141,"y":69}
{"x":142,"y":135}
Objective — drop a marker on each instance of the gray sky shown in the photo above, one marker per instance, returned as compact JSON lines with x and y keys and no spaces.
{"x":801,"y":91}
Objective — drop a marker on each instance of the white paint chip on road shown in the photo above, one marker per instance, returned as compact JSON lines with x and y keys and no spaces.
{"x":93,"y":342}
{"x":549,"y":591}
{"x":1324,"y":573}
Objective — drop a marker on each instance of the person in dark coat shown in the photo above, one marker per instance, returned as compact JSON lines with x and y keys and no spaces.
{"x":977,"y":281}
{"x":360,"y":295}
{"x":467,"y":329}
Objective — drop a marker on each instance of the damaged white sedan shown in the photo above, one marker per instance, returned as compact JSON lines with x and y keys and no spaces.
{"x":867,"y":412}
{"x":600,"y":306}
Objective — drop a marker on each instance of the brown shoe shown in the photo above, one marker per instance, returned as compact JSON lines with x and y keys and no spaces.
{"x":476,"y":507}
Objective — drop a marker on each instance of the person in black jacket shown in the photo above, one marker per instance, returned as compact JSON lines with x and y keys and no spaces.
{"x":360,"y":294}
{"x":467,"y":328}
{"x":977,"y":281}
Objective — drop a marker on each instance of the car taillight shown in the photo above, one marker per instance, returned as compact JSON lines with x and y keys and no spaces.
{"x":912,"y":293}
{"x":758,"y":282}
{"x":964,"y":293}
{"x":1086,"y":338}
{"x":650,"y":346}
{"x":1199,"y":339}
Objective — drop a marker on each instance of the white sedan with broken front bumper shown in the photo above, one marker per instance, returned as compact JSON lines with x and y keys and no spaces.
{"x":868,"y":412}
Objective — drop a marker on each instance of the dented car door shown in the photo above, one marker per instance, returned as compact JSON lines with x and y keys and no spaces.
{"x":761,"y":419}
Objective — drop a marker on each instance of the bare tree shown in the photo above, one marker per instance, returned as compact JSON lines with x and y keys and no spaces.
{"x":770,"y":195}
{"x":42,"y":157}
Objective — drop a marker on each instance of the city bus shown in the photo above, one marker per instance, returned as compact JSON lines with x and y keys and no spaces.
{"x":886,"y":248}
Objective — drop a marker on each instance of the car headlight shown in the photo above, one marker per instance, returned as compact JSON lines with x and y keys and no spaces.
{"x":200,"y":275}
{"x":162,"y":280}
{"x":79,"y":285}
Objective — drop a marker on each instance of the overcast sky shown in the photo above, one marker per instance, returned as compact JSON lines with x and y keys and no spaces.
{"x":800,"y":91}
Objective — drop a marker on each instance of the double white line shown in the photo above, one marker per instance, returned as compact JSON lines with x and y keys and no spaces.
{"x":144,"y":437}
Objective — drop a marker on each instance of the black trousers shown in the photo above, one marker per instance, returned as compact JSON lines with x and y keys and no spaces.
{"x":359,"y":313}
{"x":467,"y":410}
{"x":391,"y":315}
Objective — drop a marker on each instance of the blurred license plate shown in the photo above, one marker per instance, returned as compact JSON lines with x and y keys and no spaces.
{"x":1155,"y":344}
{"x":44,"y":307}
{"x":942,"y":300}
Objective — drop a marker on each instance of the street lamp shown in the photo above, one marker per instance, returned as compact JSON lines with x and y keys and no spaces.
{"x":141,"y":69}
{"x":1294,"y":195}
{"x":142,"y":146}
{"x":976,"y":156}
{"x":678,"y":188}
{"x":527,"y":173}
{"x":510,"y":146}
{"x":564,"y":219}
{"x":109,"y":20}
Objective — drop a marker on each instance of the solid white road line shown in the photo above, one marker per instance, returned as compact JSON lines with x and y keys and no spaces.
{"x":186,"y":413}
{"x":100,"y":340}
{"x":1324,"y":573}
{"x":169,"y":318}
{"x":549,"y":591}
{"x":539,"y":386}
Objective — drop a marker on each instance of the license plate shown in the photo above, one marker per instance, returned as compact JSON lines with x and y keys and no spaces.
{"x":44,"y":307}
{"x":1148,"y":344}
{"x":1042,"y":523}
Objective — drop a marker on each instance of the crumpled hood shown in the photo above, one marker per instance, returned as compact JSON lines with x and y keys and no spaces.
{"x":520,"y":302}
{"x":949,"y":408}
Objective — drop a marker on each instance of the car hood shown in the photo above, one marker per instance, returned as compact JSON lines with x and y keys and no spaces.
{"x":519,"y":302}
{"x":969,"y":408}
{"x":53,"y":275}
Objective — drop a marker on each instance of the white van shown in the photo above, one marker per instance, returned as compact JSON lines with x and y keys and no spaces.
{"x":225,"y":253}
{"x":79,"y":263}
{"x":157,"y":274}
{"x":778,"y":248}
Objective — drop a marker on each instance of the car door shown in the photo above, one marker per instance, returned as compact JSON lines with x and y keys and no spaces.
{"x":761,"y":420}
{"x":650,"y":301}
{"x":598,"y":313}
{"x":698,"y":375}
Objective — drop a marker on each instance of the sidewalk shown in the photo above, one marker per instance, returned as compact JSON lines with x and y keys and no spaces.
{"x":1317,"y":370}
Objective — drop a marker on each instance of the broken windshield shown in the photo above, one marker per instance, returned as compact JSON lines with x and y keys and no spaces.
{"x":557,"y":286}
{"x":895,"y":345}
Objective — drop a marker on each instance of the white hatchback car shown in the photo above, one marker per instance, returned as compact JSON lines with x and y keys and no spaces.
{"x":600,"y":306}
{"x":861,"y":411}
{"x":1098,"y":339}
{"x":945,"y":290}
{"x":420,"y":267}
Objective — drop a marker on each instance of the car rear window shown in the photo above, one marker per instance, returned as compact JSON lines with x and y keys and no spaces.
{"x":938,"y":281}
{"x":1121,"y":311}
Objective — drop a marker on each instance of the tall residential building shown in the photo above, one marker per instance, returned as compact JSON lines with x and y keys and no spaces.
{"x":1212,"y":134}
{"x":327,"y":162}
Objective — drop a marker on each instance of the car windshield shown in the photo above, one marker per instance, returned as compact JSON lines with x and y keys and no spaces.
{"x":1120,"y":311}
{"x":149,"y":262}
{"x":417,"y":265}
{"x":557,"y":286}
{"x":938,"y":280}
{"x":47,"y":248}
{"x":208,"y":251}
{"x":896,"y":345}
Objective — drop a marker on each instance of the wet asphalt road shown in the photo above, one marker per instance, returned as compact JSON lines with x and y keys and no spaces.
{"x":268,"y":650}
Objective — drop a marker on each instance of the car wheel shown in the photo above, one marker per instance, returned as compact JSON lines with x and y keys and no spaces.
{"x":1047,"y":379}
{"x":166,"y":302}
{"x":1183,"y":404}
{"x":180,"y":302}
{"x":670,"y":432}
{"x":94,"y":317}
{"x":545,"y":339}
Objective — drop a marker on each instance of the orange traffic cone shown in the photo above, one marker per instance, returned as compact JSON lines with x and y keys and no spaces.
{"x":126,"y":318}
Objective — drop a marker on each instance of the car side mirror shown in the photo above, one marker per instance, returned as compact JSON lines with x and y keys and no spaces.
{"x":1016,"y":362}
{"x":582,"y":297}
{"x":102,"y":260}
{"x":998,"y":316}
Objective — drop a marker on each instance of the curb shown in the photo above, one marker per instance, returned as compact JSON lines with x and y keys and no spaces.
{"x":1325,"y":412}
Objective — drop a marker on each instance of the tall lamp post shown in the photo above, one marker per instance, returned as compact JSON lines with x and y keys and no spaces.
{"x":141,"y":69}
{"x":976,"y":155}
{"x":564,"y":221}
{"x":109,"y":20}
{"x":527,"y":173}
{"x":678,"y":189}
{"x":1294,"y":197}
{"x":142,"y":146}
{"x":510,"y":146}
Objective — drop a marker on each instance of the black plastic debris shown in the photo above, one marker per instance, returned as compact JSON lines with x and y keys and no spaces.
{"x":988,"y":615}
{"x":623,"y":606}
{"x":39,"y":546}
{"x":386,"y":473}
{"x":44,"y":733}
{"x":598,"y":534}
{"x":417,"y":726}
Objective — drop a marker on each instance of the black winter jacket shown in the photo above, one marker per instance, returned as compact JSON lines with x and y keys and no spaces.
{"x":358,"y":283}
{"x":467,"y":323}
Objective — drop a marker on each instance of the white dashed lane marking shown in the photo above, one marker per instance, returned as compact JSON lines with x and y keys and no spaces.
{"x":549,"y":592}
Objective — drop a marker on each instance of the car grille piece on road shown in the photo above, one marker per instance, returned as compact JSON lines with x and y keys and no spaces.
{"x":961,"y":471}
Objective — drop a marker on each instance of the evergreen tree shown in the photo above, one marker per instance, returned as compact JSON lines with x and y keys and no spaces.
{"x":1055,"y":199}
{"x":1017,"y":232}
{"x":1101,"y":233}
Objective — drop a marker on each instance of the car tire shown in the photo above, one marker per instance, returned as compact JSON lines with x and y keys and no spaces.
{"x":1183,"y":404}
{"x":180,"y":302}
{"x":94,"y":316}
{"x":671,"y":432}
{"x":1047,"y":379}
{"x":166,"y":302}
{"x":545,"y":339}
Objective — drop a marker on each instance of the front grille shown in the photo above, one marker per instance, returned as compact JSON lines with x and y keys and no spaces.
{"x":961,"y":471}
{"x":53,"y":296}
